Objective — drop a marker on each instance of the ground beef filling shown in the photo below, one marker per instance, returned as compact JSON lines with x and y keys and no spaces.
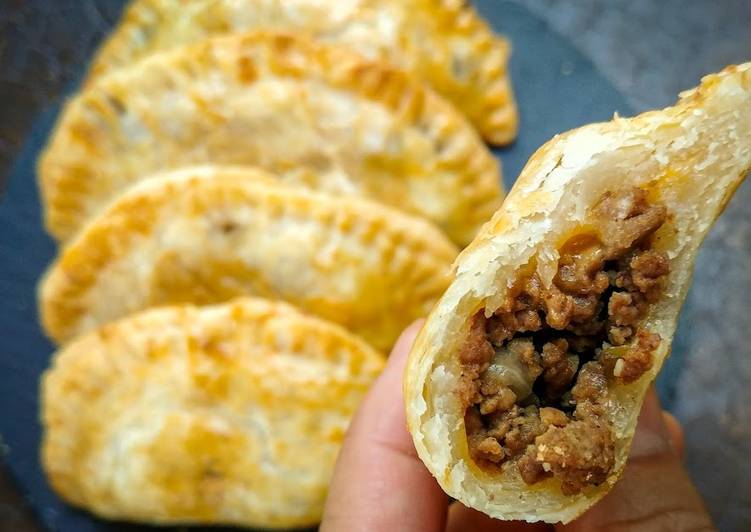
{"x":536,"y":372}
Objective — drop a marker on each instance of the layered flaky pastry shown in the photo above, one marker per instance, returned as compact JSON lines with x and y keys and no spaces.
{"x":313,"y":114}
{"x":231,"y":414}
{"x":524,"y":386}
{"x":443,"y":42}
{"x":205,"y":235}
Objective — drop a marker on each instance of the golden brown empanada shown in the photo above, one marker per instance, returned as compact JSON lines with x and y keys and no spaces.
{"x":208,"y":235}
{"x":442,"y":41}
{"x":230,"y":414}
{"x":313,"y":114}
{"x":524,"y":386}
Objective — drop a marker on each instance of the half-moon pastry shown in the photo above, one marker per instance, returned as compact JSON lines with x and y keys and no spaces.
{"x":231,"y":414}
{"x":524,"y":386}
{"x":443,"y":42}
{"x":208,"y":235}
{"x":311,"y":113}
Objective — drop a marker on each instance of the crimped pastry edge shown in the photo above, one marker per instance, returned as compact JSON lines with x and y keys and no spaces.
{"x":496,"y":118}
{"x":63,"y":290}
{"x":63,"y":376}
{"x":63,"y":175}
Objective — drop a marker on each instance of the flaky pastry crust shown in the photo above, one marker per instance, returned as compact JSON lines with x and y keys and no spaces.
{"x":208,"y":234}
{"x":313,"y":114}
{"x":690,"y":158}
{"x":443,"y":42}
{"x":230,"y":414}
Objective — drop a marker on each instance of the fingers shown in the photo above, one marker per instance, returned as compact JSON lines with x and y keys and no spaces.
{"x":655,"y":492}
{"x":379,"y":482}
{"x":461,"y":519}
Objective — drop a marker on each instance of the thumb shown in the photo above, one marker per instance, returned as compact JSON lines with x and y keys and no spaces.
{"x":655,"y":492}
{"x":379,"y":482}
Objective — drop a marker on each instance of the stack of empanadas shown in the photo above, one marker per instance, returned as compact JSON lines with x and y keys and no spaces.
{"x":316,"y":154}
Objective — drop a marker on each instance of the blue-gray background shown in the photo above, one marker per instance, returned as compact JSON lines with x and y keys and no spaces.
{"x":648,"y":50}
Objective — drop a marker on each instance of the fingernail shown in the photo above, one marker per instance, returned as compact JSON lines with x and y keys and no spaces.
{"x":675,"y":433}
{"x":405,"y":341}
{"x":398,"y":356}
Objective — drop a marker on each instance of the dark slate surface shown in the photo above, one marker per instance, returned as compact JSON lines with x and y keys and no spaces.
{"x":43,"y":45}
{"x":649,"y":50}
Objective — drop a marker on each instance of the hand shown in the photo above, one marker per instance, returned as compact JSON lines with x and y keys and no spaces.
{"x":381,"y":485}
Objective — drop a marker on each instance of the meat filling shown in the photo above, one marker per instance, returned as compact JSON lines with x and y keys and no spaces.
{"x":536,"y":373}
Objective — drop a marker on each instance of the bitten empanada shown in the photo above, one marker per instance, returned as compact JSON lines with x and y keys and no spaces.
{"x":208,"y":235}
{"x":524,"y":386}
{"x":311,"y":113}
{"x":443,"y":42}
{"x":231,"y":414}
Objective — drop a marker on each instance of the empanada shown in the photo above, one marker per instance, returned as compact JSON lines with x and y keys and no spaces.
{"x":207,"y":235}
{"x":443,"y":42}
{"x":311,"y":113}
{"x":524,"y":386}
{"x":231,"y":414}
